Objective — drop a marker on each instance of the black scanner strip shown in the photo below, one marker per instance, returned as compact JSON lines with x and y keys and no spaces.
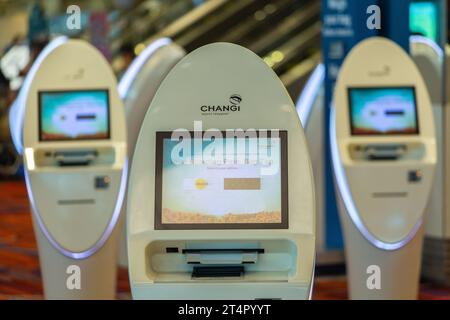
{"x":217,"y":272}
{"x":73,"y":164}
{"x":188,"y":251}
{"x":383,"y":158}
{"x":75,"y":153}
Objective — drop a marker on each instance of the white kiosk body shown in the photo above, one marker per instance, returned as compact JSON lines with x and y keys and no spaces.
{"x":430,"y":60}
{"x":384,"y":155}
{"x":310,"y":108}
{"x":74,"y":141}
{"x":137,"y":89}
{"x":204,"y":227}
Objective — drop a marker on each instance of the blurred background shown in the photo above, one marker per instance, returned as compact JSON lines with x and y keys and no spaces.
{"x":285,"y":33}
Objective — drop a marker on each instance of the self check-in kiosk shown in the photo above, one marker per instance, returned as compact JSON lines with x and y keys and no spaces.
{"x":137,"y":88}
{"x":72,"y":128}
{"x":430,"y":59}
{"x":221,"y":198}
{"x":310,"y":108}
{"x":384,"y":155}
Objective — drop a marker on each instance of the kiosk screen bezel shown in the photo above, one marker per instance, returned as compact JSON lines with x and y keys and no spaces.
{"x":159,"y":158}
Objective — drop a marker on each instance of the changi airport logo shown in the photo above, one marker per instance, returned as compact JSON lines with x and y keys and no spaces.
{"x":235,"y":99}
{"x":234,"y":105}
{"x":75,"y":75}
{"x":245,"y":153}
{"x":384,"y":71}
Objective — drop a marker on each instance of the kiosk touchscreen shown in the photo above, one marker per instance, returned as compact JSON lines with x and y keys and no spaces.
{"x":221,"y":199}
{"x":74,"y":143}
{"x":137,"y":88}
{"x":384,"y":155}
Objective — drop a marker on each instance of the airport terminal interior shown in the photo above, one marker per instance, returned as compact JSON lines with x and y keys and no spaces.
{"x":225,"y":149}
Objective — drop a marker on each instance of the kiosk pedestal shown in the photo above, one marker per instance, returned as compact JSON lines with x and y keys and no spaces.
{"x":384,"y":155}
{"x":72,"y":126}
{"x":370,"y":268}
{"x":430,"y":59}
{"x":137,"y":89}
{"x":211,"y":211}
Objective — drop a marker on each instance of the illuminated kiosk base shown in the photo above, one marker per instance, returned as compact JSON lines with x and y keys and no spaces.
{"x":60,"y":274}
{"x":399,"y":274}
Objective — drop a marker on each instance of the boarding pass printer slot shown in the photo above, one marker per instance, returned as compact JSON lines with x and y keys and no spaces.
{"x":75,"y":158}
{"x":210,"y":263}
{"x":222,"y":256}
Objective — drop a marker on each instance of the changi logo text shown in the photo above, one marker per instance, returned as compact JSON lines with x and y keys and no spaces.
{"x":233,"y":106}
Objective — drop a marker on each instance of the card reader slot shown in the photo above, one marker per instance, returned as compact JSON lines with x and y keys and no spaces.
{"x":218,"y":272}
{"x":75,"y":158}
{"x":382,"y":158}
{"x":77,"y":153}
{"x":220,"y":257}
{"x":186,"y":251}
{"x":74,"y":163}
{"x":384,"y":152}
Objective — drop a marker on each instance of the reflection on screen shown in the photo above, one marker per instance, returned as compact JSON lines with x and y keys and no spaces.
{"x":383,"y":111}
{"x":424,"y":19}
{"x":214,"y":191}
{"x":74,"y":115}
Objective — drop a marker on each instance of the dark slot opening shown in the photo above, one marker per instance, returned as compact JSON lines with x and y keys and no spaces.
{"x":187,"y":251}
{"x":217,"y":271}
{"x":73,"y":164}
{"x":75,"y":153}
{"x":171,"y":250}
{"x":383,"y":157}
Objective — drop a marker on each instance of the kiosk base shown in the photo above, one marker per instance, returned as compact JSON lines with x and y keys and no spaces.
{"x":65,"y":278}
{"x":378,"y":274}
